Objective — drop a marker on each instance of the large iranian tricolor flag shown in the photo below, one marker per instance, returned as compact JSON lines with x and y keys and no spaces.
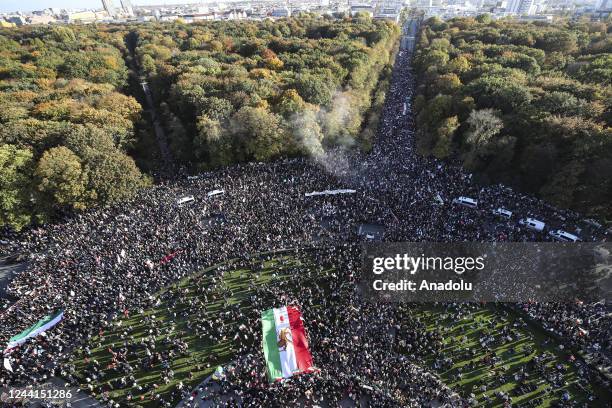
{"x":284,"y":343}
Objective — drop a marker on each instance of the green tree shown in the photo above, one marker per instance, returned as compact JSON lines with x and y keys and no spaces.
{"x":445,"y":133}
{"x":148,"y":65}
{"x":558,"y":40}
{"x":551,"y":85}
{"x":434,"y":58}
{"x":562,"y":103}
{"x":459,"y":64}
{"x":484,"y":18}
{"x":483,"y":126}
{"x":423,"y":40}
{"x":555,"y":61}
{"x":216,"y":108}
{"x":497,"y":92}
{"x":436,"y":110}
{"x":598,"y":71}
{"x":315,"y":89}
{"x":76,"y":65}
{"x":447,"y":84}
{"x":113,"y":176}
{"x":63,"y":34}
{"x":259,"y":131}
{"x":61,"y":180}
{"x":211,"y":144}
{"x":290,"y":103}
{"x":15,"y":186}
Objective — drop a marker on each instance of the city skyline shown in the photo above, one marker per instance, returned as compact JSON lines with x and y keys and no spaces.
{"x":9,"y":6}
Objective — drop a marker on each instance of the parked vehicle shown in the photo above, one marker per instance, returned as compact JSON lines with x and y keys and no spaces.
{"x":186,"y":199}
{"x":215,"y":193}
{"x":503,"y":213}
{"x":533,"y":224}
{"x":565,"y":236}
{"x":466,"y":202}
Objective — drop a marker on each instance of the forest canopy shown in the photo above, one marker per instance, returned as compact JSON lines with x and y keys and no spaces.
{"x":66,"y":122}
{"x":525,"y":104}
{"x":238,"y":91}
{"x":71,"y":119}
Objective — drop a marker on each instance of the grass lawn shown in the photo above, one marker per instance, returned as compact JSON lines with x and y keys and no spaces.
{"x":461,"y":336}
{"x":220,"y":288}
{"x":184,"y":312}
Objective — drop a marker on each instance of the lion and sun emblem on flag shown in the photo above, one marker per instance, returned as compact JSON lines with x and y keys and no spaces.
{"x":284,"y":338}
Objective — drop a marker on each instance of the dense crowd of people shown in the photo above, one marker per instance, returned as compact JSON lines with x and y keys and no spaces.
{"x":103,"y":262}
{"x":489,"y":342}
{"x":354,"y":362}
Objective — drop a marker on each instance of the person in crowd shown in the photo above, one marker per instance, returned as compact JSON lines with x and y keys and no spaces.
{"x":107,"y":263}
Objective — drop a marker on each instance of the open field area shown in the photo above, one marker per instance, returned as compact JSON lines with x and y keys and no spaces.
{"x":492,"y":352}
{"x":180,"y":340}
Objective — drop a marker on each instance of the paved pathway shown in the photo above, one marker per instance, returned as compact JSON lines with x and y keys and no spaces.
{"x":160,"y":134}
{"x":206,"y":388}
{"x":209,"y":388}
{"x":7,"y":272}
{"x":79,"y":399}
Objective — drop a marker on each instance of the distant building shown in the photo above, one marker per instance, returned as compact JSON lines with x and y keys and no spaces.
{"x":223,"y":15}
{"x":82,"y":17}
{"x":512,"y":6}
{"x":169,"y":17}
{"x":190,"y":18}
{"x":527,"y":7}
{"x":281,"y":12}
{"x":522,"y":7}
{"x":236,"y":15}
{"x":126,"y":6}
{"x":17,"y":20}
{"x":388,"y":10}
{"x":109,"y":8}
{"x":362,"y":8}
{"x":41,"y":19}
{"x":603,"y":8}
{"x":428,"y":3}
{"x":387,"y":14}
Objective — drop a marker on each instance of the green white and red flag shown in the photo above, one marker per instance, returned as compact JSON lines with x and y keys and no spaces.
{"x":285,"y":345}
{"x":41,"y":326}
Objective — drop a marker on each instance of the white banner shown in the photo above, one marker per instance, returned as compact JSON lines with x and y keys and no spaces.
{"x":330,"y":192}
{"x":7,"y":364}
